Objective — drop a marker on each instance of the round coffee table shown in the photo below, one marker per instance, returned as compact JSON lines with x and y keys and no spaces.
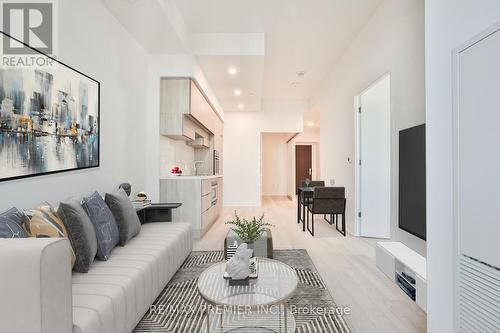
{"x":259,"y":307}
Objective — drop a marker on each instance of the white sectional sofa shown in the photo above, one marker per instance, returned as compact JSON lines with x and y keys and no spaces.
{"x":40,"y":294}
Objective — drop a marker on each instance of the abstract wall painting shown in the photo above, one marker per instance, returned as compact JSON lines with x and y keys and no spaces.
{"x":49,"y":121}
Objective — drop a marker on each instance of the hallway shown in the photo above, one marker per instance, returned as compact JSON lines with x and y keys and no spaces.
{"x":346,"y":264}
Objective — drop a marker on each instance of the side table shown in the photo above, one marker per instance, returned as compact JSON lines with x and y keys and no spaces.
{"x":156,"y":212}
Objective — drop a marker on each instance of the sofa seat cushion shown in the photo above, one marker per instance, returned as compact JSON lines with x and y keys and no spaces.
{"x":124,"y":283}
{"x":99,"y":293}
{"x":170,"y":242}
{"x":134,"y":274}
{"x":102,"y":305}
{"x":144,"y":271}
{"x":149,"y":262}
{"x":85,"y":320}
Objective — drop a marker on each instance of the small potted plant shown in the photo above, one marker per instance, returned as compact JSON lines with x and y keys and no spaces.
{"x":249,"y":230}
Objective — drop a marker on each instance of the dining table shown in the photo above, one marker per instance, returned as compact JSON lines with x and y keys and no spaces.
{"x":302,"y":193}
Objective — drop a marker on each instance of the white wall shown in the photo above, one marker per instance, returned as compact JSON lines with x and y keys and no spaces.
{"x":242,"y":149}
{"x":241,"y":159}
{"x":392,"y":41}
{"x":449,"y":23}
{"x":274,"y":164}
{"x":93,"y":42}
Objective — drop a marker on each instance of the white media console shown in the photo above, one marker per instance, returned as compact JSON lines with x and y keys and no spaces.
{"x":396,"y":260}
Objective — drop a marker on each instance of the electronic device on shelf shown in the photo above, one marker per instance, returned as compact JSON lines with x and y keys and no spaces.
{"x":408,"y":278}
{"x":406,"y":286}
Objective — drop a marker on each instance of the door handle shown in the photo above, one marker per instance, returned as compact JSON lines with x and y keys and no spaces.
{"x":310,"y":171}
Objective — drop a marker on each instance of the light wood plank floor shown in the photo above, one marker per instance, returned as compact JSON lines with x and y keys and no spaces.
{"x":347,"y":265}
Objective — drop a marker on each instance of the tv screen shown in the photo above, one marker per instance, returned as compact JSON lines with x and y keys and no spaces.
{"x":412,"y":181}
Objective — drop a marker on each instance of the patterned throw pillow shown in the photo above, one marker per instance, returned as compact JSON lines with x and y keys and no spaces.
{"x":12,"y":223}
{"x":125,"y":215}
{"x":104,"y":223}
{"x":44,"y":222}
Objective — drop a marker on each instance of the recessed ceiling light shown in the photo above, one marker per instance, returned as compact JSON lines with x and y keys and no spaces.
{"x":232,"y":71}
{"x":241,"y":106}
{"x":310,"y":124}
{"x":237,"y":92}
{"x":300,"y":73}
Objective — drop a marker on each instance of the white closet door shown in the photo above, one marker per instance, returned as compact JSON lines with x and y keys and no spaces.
{"x":477,"y":184}
{"x":479,"y":150}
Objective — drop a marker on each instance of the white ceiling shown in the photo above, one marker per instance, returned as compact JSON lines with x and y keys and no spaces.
{"x":297,"y":35}
{"x":300,"y":35}
{"x":151,"y":23}
{"x":248,"y":80}
{"x":312,"y":118}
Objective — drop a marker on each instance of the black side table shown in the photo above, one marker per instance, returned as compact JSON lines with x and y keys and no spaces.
{"x":157,"y":212}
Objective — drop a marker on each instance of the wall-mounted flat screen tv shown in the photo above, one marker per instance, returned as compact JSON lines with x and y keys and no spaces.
{"x":412,"y":208}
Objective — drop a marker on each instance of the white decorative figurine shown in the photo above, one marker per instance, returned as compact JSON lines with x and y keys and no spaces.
{"x":238,"y":267}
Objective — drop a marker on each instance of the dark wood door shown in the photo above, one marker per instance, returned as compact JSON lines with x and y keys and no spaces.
{"x":303,"y":164}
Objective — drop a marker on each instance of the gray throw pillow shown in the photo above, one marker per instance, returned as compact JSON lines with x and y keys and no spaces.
{"x":125,"y":215}
{"x":12,"y":223}
{"x":104,"y":223}
{"x":80,"y":233}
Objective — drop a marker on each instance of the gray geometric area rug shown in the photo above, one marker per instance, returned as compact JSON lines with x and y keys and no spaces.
{"x":180,"y":309}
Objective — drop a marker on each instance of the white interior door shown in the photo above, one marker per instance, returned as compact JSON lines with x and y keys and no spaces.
{"x":374,"y":139}
{"x":477,"y":142}
{"x":477,"y":183}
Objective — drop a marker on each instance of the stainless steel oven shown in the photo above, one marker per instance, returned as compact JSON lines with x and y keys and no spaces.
{"x":214,"y":192}
{"x":216,"y":168}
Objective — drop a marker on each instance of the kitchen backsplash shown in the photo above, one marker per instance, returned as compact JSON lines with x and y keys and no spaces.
{"x":175,"y":153}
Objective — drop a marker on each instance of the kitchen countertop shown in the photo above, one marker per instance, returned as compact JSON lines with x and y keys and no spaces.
{"x":192,"y":177}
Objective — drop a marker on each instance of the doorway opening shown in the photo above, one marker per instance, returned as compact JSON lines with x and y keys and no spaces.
{"x":373,"y":167}
{"x":279,"y":161}
{"x":303,"y":164}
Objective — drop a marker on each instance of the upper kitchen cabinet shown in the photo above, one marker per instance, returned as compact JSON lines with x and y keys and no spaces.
{"x":174,"y":109}
{"x":183,"y":108}
{"x":200,"y":108}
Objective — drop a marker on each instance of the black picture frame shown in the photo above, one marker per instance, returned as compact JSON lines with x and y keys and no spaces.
{"x":4,"y":36}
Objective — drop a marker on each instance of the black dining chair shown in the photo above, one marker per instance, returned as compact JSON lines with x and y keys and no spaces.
{"x":327,"y":201}
{"x":308,"y":197}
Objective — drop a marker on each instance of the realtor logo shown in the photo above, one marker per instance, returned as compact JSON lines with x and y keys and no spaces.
{"x":32,"y":23}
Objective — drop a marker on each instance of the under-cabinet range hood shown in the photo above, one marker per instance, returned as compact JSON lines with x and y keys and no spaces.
{"x":199,"y":142}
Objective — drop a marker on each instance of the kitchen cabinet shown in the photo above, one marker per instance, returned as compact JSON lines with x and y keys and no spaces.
{"x":183,"y":109}
{"x":201,"y":199}
{"x":174,"y":106}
